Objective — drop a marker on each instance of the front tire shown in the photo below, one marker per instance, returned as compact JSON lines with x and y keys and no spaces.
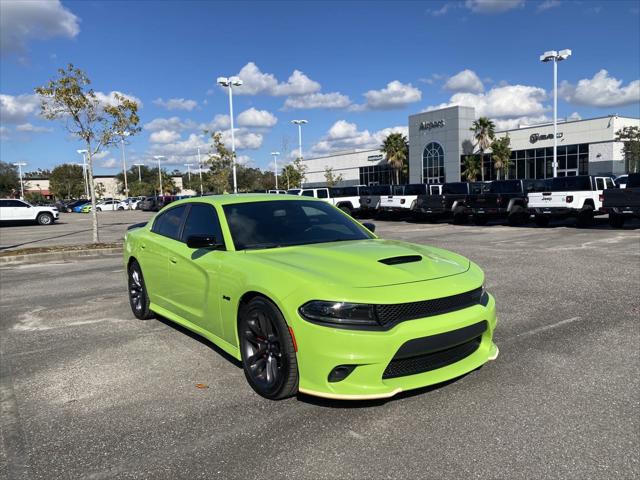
{"x":138,"y":297}
{"x":267,"y":350}
{"x":44,"y":219}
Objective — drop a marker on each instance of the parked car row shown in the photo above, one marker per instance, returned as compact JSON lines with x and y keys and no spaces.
{"x":582,"y":197}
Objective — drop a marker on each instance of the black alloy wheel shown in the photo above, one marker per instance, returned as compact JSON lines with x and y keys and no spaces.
{"x":268,"y":353}
{"x":138,"y":298}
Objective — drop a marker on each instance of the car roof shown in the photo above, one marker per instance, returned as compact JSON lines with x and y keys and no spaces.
{"x":234,"y":198}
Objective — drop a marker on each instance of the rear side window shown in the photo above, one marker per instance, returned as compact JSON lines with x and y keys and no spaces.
{"x":506,"y":186}
{"x":398,"y":189}
{"x":344,"y":192}
{"x":415,"y":189}
{"x":202,"y":220}
{"x":599,"y":183}
{"x":571,"y":184}
{"x":609,"y":182}
{"x":376,"y":190}
{"x":456,"y":188}
{"x":322,"y":193}
{"x":13,"y":203}
{"x":168,"y":223}
{"x":307,"y":193}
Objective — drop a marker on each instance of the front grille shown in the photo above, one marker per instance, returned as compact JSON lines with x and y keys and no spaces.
{"x":390,"y":314}
{"x":430,"y":361}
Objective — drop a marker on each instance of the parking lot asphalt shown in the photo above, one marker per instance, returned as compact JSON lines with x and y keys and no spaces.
{"x":70,"y":229}
{"x":88,"y":391}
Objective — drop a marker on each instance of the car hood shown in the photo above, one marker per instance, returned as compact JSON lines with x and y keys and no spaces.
{"x":357,"y":263}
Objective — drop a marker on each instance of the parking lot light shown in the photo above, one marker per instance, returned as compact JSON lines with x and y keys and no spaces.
{"x":158,"y":158}
{"x":20,"y":165}
{"x":275,"y":166}
{"x":555,"y":57}
{"x":230,"y":82}
{"x":85,"y":176}
{"x":124,"y":162}
{"x":139,"y":174}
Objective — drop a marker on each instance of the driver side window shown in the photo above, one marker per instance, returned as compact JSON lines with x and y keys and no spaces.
{"x":203,"y":220}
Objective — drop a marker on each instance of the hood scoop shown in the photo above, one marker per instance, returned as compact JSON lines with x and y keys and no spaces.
{"x":400,"y":260}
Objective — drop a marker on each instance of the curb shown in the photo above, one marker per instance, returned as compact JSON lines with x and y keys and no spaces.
{"x":29,"y":258}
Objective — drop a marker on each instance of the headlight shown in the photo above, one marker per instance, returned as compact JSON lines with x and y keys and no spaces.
{"x":340,"y":313}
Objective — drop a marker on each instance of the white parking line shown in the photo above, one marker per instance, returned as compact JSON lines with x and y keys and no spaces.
{"x":547,"y":327}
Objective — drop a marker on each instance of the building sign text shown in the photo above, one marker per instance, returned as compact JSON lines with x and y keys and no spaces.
{"x":430,"y":125}
{"x":535,"y":137}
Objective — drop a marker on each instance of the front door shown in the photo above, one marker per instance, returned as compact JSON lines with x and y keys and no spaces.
{"x":194,"y":273}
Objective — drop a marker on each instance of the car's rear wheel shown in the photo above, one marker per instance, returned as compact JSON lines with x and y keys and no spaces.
{"x":45,"y":219}
{"x":616,"y":220}
{"x":542,"y":220}
{"x":480,"y":219}
{"x":267,"y":349}
{"x":138,"y":298}
{"x":585,"y":216}
{"x":346,"y":209}
{"x":517,"y":216}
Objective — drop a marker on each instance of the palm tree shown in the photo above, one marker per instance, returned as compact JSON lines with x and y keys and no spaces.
{"x":396,"y":148}
{"x":471,"y":168}
{"x":484,"y":131}
{"x":501,"y":155}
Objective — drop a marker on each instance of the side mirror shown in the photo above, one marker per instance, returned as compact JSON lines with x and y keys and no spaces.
{"x":203,"y":241}
{"x":369,"y":226}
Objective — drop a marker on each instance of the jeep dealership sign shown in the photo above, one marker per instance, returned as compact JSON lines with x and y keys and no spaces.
{"x":535,"y":137}
{"x":431,"y":125}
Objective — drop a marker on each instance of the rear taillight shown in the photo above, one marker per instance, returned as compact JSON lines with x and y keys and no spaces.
{"x":601,"y":197}
{"x":569,"y":198}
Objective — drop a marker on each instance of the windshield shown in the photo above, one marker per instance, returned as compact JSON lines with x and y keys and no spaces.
{"x":273,"y":224}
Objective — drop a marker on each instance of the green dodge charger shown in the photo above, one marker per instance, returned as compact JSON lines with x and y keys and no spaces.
{"x":308,"y":299}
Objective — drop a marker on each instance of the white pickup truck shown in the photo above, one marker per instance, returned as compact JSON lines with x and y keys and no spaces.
{"x":578,"y":196}
{"x":14,"y":210}
{"x":346,"y":199}
{"x":403,"y":197}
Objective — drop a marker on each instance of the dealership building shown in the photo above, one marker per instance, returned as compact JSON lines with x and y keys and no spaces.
{"x":440,"y":139}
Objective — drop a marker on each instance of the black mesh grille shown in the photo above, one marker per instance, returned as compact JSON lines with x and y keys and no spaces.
{"x":430,"y":361}
{"x":390,"y":314}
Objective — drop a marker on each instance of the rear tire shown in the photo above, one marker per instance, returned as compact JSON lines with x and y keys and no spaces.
{"x":517,"y":216}
{"x":616,"y":220}
{"x":98,"y":209}
{"x":267,"y":350}
{"x":44,"y":219}
{"x":542,"y":220}
{"x":585,"y":216}
{"x":138,"y":297}
{"x":459,"y":217}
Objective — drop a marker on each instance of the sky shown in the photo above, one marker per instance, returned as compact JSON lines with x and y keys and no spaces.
{"x":354,"y":70}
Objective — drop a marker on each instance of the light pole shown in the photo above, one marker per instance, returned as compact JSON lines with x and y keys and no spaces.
{"x":158,"y":157}
{"x":200,"y":171}
{"x":555,"y":57}
{"x":124,"y":163}
{"x":188,"y":165}
{"x":231,"y":82}
{"x":20,"y":165}
{"x":84,"y":171}
{"x":139,"y":174}
{"x":299,"y":123}
{"x":275,"y":166}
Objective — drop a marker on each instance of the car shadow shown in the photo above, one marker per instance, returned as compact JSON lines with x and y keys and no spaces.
{"x":346,"y":404}
{"x":198,"y":338}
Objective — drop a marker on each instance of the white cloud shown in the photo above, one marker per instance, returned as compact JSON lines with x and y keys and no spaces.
{"x":601,"y":91}
{"x":110,"y":163}
{"x":548,"y":4}
{"x":173,"y":123}
{"x":257,"y":82}
{"x":507,"y":101}
{"x":180,"y":152}
{"x":244,"y":160}
{"x":21,"y":21}
{"x":4,"y":133}
{"x":574,"y":116}
{"x":344,"y":135}
{"x":164,"y":136}
{"x":176,"y":104}
{"x":257,"y":118}
{"x":244,"y":138}
{"x":16,"y":109}
{"x":395,"y":95}
{"x":317,"y":100}
{"x":102,"y":154}
{"x":492,"y":6}
{"x":465,"y":81}
{"x":110,"y":98}
{"x":518,"y":122}
{"x":30,"y":128}
{"x":439,"y":11}
{"x":219,"y":122}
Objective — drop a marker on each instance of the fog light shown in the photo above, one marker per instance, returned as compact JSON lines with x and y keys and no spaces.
{"x":341,"y":372}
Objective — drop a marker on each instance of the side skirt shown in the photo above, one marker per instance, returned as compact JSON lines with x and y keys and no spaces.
{"x":224,"y":345}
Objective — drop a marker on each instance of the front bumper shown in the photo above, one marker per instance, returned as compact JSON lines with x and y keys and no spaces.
{"x":321,"y":349}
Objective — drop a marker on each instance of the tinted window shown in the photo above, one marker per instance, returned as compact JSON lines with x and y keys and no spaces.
{"x":599,"y":183}
{"x":376,"y":190}
{"x":344,"y":192}
{"x":202,"y":220}
{"x":609,"y":183}
{"x":633,"y":180}
{"x":398,"y":190}
{"x":307,"y":193}
{"x":285,"y":223}
{"x":457,"y":188}
{"x":322,"y":193}
{"x":295,"y":191}
{"x":168,"y":223}
{"x":415,"y":189}
{"x":570,"y":184}
{"x":506,"y":186}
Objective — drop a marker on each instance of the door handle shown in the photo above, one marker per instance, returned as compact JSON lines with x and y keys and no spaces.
{"x":173,"y":259}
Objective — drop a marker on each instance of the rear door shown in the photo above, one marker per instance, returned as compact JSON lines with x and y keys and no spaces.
{"x":154,"y":259}
{"x":194,"y":273}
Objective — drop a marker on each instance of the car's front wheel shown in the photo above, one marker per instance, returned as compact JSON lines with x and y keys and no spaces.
{"x":45,"y":219}
{"x":267,"y":349}
{"x":138,"y":298}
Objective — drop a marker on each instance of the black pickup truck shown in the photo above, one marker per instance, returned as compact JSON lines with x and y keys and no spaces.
{"x":452,"y":203}
{"x":504,"y":199}
{"x":623,"y":203}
